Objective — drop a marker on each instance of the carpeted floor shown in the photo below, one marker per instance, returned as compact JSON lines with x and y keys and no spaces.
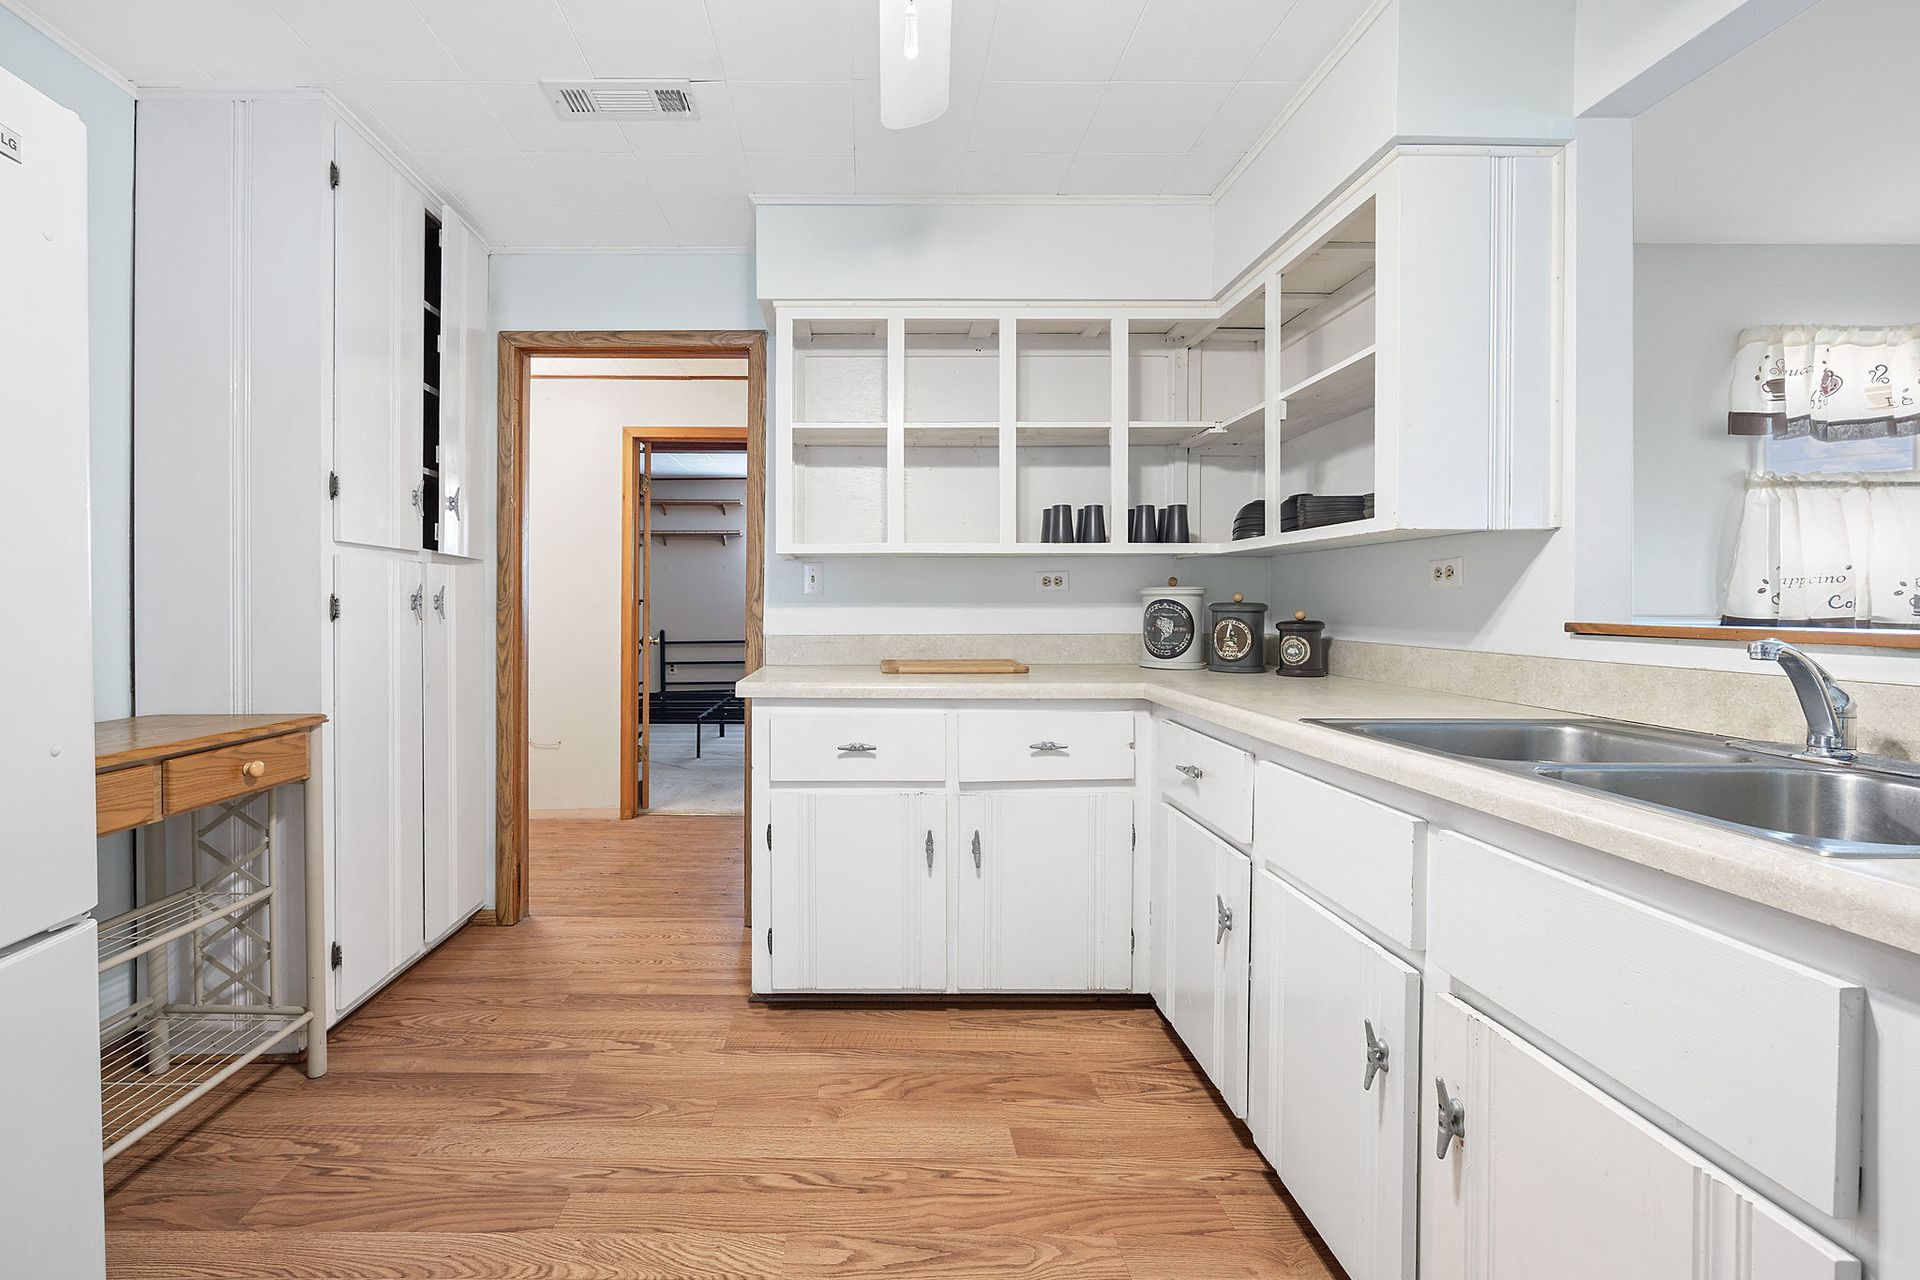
{"x":710,"y":784}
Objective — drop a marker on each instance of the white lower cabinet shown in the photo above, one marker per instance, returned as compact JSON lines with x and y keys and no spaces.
{"x":1550,"y":1177}
{"x":1333,"y":1076}
{"x":1045,"y":897}
{"x":859,"y":891}
{"x":1207,"y":908}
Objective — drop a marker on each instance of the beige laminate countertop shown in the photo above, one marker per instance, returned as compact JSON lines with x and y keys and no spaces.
{"x":1877,"y":899}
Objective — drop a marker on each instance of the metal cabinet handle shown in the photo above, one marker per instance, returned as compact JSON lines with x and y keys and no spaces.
{"x":857,"y":747}
{"x":1223,"y":919}
{"x":1376,"y":1057}
{"x":1046,"y":744}
{"x":1191,"y":770}
{"x":976,"y":851}
{"x":418,"y":602}
{"x":453,"y":500}
{"x":440,"y":602}
{"x":929,"y":850}
{"x":416,"y":497}
{"x":1450,"y":1120}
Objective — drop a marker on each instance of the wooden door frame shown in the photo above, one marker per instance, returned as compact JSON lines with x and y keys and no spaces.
{"x":517,"y":351}
{"x":636,"y":523}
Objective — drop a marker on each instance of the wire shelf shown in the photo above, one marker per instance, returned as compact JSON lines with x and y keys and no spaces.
{"x":153,"y":1065}
{"x":157,"y":923}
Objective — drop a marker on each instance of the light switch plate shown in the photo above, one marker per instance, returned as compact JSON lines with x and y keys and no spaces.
{"x":812,"y":579}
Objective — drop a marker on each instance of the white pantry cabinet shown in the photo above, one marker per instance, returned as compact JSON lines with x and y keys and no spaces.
{"x":1046,"y":896}
{"x":285,"y":562}
{"x":1207,"y":925}
{"x":859,"y":891}
{"x":1333,"y":1077}
{"x":1550,"y":1177}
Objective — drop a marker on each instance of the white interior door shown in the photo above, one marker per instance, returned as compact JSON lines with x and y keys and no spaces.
{"x":1554,"y":1178}
{"x":1208,"y":883}
{"x":859,"y":891}
{"x":1045,"y":899}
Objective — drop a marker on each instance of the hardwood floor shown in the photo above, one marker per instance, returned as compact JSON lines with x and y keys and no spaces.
{"x":588,"y":1094}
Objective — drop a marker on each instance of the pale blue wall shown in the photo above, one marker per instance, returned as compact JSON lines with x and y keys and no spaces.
{"x":108,"y":114}
{"x":681,"y":290}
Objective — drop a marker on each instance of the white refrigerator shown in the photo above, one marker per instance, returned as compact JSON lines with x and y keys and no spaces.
{"x":51,"y":1223}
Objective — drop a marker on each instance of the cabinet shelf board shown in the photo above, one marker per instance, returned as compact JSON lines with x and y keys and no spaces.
{"x":1072,"y":434}
{"x":1353,"y":533}
{"x":955,"y":435}
{"x":857,"y":433}
{"x":719,"y":504}
{"x":1336,"y":392}
{"x":722,"y":534}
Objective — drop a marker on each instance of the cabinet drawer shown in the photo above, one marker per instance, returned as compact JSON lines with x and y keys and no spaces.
{"x":1756,"y":1053}
{"x":1045,"y":746}
{"x":1206,"y":777}
{"x":126,"y":798}
{"x":211,"y":776}
{"x":1361,"y":856}
{"x":857,"y":745}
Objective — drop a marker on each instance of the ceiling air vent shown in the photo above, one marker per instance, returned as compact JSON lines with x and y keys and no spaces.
{"x":621,"y":99}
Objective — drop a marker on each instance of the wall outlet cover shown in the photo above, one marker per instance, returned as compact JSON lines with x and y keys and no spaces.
{"x":1447,"y":574}
{"x":1052,"y":579}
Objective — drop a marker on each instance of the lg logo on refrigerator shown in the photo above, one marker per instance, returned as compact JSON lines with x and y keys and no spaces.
{"x":9,"y":144}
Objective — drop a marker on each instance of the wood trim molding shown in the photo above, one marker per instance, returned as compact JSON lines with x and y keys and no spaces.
{"x":517,"y":351}
{"x":1844,"y":637}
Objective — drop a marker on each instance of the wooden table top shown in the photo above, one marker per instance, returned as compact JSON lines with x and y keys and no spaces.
{"x":118,"y":744}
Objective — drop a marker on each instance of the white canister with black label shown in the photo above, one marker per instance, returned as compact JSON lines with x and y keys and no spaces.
{"x":1171,"y":636}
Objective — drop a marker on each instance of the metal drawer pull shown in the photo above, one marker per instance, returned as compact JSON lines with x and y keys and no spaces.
{"x":1450,"y":1120}
{"x":1191,"y":770}
{"x":1223,"y":919}
{"x":1376,"y":1057}
{"x":857,"y":747}
{"x":976,"y":851}
{"x":929,"y":850}
{"x":1046,"y":744}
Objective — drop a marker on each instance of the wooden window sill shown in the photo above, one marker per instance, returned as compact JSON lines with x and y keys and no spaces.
{"x":1848,"y":637}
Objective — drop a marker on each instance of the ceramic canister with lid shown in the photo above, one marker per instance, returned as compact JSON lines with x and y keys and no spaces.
{"x":1239,"y":635}
{"x":1170,"y":636}
{"x":1303,"y":646}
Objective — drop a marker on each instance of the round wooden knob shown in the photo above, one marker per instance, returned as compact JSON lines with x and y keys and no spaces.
{"x":1173,"y":582}
{"x":1299,"y":615}
{"x":254,"y":768}
{"x":1237,"y":597}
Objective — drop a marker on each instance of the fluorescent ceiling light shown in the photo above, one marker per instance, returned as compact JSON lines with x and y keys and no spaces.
{"x":916,"y":61}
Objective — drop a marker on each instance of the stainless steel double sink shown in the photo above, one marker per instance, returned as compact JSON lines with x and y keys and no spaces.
{"x":1836,"y":811}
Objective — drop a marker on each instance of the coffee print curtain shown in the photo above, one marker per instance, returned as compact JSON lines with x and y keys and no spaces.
{"x":1832,"y":384}
{"x":1831,"y":551}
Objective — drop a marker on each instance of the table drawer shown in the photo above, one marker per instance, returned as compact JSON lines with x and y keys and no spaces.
{"x":1046,"y":746}
{"x":1757,"y":1053}
{"x":857,"y":745}
{"x":211,"y":776}
{"x":1363,"y":857}
{"x":1207,"y":778}
{"x":126,"y":798}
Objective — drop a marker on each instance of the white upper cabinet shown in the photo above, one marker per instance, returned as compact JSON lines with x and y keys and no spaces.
{"x":1208,"y":909}
{"x":1550,"y":1177}
{"x":466,"y":393}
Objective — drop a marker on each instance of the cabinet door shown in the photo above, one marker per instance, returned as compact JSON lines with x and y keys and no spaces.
{"x":1045,"y":898}
{"x":466,"y":400}
{"x":379,"y":221}
{"x":1208,"y":893}
{"x":859,"y":891}
{"x":1553,"y":1177}
{"x":1340,"y":1137}
{"x":378,"y":855}
{"x":457,"y":730}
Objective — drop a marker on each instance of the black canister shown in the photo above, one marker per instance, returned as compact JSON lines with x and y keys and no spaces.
{"x":1303,"y":646}
{"x":1239,"y":636}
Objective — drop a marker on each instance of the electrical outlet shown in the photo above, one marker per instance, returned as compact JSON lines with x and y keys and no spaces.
{"x":813,"y":580}
{"x":1447,"y":574}
{"x":1052,"y":579}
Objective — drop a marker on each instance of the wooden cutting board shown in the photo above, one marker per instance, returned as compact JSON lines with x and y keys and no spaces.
{"x":952,"y":667}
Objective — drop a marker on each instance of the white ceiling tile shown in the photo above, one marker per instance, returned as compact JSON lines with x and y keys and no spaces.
{"x":523,"y":110}
{"x":645,"y":39}
{"x":1060,"y":39}
{"x":1097,"y":174}
{"x":905,"y":173}
{"x":476,"y":180}
{"x":793,"y":115}
{"x":505,"y":39}
{"x":525,"y":227}
{"x":725,"y":225}
{"x":369,"y":39}
{"x":784,"y":40}
{"x":438,"y":116}
{"x":1304,"y":39}
{"x":592,"y":181}
{"x":696,"y":179}
{"x":559,"y":227}
{"x":1140,"y":118}
{"x":1032,"y":117}
{"x":1250,"y":107}
{"x":630,"y":228}
{"x":134,"y":39}
{"x":948,"y":133}
{"x":1199,"y":39}
{"x":973,"y":22}
{"x":713,"y":130}
{"x":1199,"y":172}
{"x":788,"y":173}
{"x":1012,"y":173}
{"x":238,"y":43}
